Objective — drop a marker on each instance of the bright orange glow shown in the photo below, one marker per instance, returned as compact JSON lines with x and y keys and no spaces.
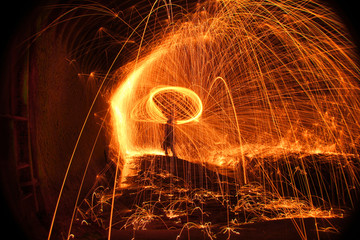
{"x":185,"y":104}
{"x":256,"y":83}
{"x":262,"y":100}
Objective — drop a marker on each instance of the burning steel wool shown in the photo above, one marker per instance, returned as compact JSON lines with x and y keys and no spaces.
{"x":263,"y":97}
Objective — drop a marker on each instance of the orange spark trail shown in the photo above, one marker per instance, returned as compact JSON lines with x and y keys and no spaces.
{"x":261,"y":94}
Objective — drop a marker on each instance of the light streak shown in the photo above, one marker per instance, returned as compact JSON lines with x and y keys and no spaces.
{"x":249,"y":81}
{"x":161,"y":101}
{"x":254,"y":76}
{"x":264,"y":96}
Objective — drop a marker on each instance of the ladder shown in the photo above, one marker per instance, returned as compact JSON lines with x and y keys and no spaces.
{"x":20,"y":127}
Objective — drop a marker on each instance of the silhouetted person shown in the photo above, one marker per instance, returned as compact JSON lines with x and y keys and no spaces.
{"x":169,"y":137}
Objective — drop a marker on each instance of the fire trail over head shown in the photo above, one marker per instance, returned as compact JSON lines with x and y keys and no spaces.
{"x":242,"y":79}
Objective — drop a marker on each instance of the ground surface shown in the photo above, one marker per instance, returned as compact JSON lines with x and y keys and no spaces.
{"x":171,"y":198}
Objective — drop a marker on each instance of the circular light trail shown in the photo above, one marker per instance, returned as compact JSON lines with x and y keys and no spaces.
{"x":162,"y":102}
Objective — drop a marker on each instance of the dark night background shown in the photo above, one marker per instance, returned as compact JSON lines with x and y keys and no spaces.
{"x":15,"y":13}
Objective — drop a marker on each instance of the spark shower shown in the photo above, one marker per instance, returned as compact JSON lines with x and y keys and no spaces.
{"x":242,"y":77}
{"x":265,"y":99}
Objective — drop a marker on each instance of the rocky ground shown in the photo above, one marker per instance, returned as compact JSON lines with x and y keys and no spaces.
{"x":171,"y":198}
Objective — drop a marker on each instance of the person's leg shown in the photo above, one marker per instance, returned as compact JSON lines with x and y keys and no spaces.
{"x":167,"y":164}
{"x":173,"y":150}
{"x":166,"y":150}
